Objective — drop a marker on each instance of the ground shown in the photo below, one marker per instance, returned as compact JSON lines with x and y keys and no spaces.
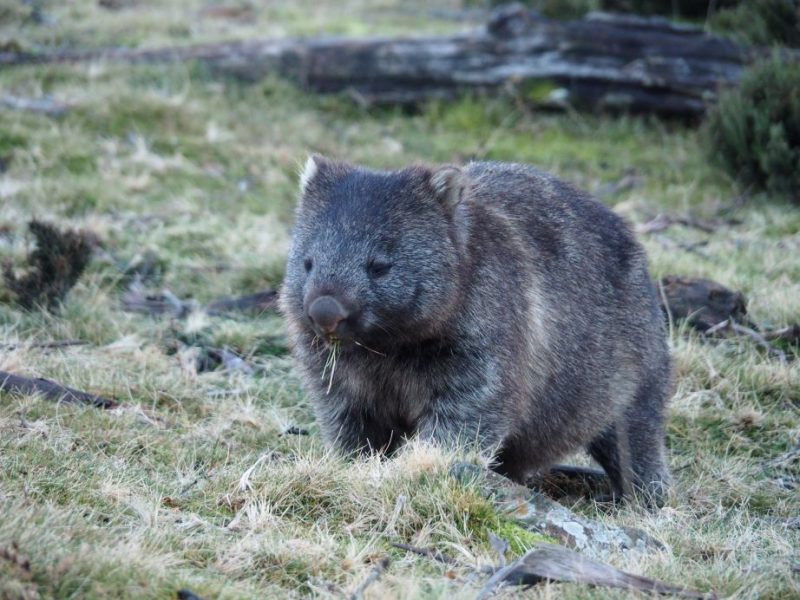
{"x":195,"y":482}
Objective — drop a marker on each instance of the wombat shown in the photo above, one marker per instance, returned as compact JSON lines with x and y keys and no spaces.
{"x":491,"y":304}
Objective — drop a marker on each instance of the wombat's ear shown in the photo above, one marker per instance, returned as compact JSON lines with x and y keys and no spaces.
{"x":315,"y":165}
{"x":448,"y":185}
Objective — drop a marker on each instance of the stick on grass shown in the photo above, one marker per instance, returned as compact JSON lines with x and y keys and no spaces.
{"x":373,"y":576}
{"x":19,"y":385}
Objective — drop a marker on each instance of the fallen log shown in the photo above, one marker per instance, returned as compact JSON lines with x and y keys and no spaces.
{"x":17,"y":384}
{"x":600,"y":61}
{"x":703,"y":303}
{"x":719,"y":312}
{"x":555,"y":563}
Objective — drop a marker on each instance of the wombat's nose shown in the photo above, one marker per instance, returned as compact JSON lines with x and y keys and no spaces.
{"x":327,"y":312}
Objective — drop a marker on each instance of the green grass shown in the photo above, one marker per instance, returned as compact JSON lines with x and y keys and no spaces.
{"x":193,"y":483}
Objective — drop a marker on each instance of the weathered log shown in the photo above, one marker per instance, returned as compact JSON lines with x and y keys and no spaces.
{"x":718,"y":312}
{"x":600,"y":61}
{"x":703,"y":303}
{"x":549,"y":562}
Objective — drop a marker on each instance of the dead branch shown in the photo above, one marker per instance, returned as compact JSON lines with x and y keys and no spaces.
{"x":758,"y":339}
{"x":789,"y":334}
{"x":662,"y":222}
{"x":550,"y":562}
{"x":19,"y":385}
{"x":136,"y":299}
{"x":428,"y":553}
{"x":762,"y":339}
{"x":373,"y":576}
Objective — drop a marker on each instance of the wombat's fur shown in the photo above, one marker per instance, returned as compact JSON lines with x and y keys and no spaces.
{"x":490,"y":303}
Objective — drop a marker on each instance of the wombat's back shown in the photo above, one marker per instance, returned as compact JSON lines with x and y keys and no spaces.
{"x":596,"y":346}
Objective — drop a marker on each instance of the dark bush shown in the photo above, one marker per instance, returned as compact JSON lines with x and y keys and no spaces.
{"x":53,"y":267}
{"x":693,"y":9}
{"x":571,"y":9}
{"x":754,"y":131}
{"x":763,"y":23}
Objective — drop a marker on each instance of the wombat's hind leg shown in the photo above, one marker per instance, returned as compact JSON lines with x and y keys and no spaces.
{"x":646,"y":436}
{"x":606,"y":450}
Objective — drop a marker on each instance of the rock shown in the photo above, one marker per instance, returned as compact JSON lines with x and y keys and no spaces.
{"x":537,"y":513}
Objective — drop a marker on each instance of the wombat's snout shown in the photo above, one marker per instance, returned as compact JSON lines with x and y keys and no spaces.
{"x":326,"y":313}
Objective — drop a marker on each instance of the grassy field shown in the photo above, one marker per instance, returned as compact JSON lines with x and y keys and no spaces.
{"x":194,"y":481}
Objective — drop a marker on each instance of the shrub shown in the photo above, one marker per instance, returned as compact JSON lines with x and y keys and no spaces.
{"x":764,"y":23}
{"x":53,"y":268}
{"x":754,"y":131}
{"x":694,"y":9}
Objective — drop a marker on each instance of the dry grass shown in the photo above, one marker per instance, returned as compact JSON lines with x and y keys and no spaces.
{"x":193,"y":482}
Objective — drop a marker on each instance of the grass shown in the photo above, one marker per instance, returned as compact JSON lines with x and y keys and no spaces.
{"x":194,"y":482}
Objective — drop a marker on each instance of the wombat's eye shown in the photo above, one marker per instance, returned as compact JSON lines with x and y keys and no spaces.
{"x":377,"y":269}
{"x":308,"y":264}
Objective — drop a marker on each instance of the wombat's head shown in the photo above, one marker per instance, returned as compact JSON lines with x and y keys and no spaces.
{"x":376,"y":256}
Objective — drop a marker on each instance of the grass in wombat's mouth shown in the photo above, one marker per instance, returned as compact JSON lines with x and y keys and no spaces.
{"x":334,"y":348}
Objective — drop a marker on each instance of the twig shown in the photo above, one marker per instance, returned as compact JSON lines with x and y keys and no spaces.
{"x":760,"y":340}
{"x":716,"y":328}
{"x":496,"y":580}
{"x":373,"y":576}
{"x":428,"y":553}
{"x":136,"y":299}
{"x":789,"y":334}
{"x":662,"y":222}
{"x":17,"y":384}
